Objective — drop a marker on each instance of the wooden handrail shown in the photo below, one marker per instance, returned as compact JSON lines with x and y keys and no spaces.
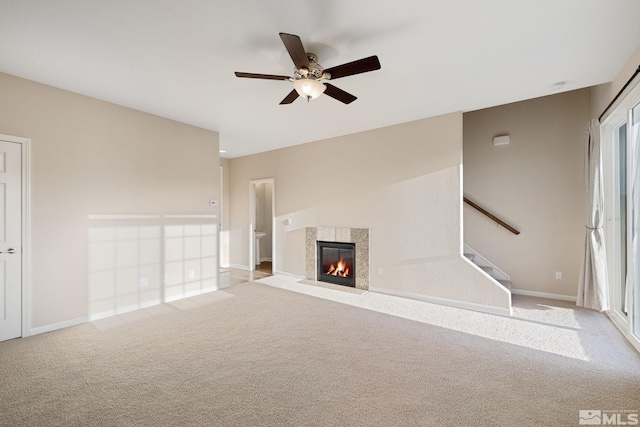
{"x":490,"y":215}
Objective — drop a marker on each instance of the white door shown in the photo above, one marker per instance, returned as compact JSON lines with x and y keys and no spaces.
{"x":10,"y":240}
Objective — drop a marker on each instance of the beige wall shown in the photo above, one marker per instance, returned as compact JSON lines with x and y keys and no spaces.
{"x":402,"y":182}
{"x":94,"y":158}
{"x":534,"y":184}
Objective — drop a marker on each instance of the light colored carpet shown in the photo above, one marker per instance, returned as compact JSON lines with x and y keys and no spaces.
{"x":254,"y":354}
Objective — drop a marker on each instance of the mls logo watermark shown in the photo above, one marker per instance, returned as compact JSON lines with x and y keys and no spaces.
{"x":597,"y":417}
{"x":590,"y":417}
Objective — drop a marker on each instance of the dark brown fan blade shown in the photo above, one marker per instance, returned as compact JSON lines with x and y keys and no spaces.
{"x":293,"y":95}
{"x":295,"y":49}
{"x":356,"y":67}
{"x":339,"y":94}
{"x":261,"y":76}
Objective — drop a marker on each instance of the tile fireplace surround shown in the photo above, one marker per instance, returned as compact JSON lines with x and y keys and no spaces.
{"x":359,"y":236}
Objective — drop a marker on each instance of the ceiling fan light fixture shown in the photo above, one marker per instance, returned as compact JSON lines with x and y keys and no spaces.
{"x":308,"y":75}
{"x":309,"y":88}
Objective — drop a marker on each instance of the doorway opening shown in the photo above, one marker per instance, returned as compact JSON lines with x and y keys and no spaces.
{"x":262,"y":244}
{"x":223,"y":227}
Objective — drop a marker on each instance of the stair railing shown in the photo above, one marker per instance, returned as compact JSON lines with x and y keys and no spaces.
{"x":491,"y":216}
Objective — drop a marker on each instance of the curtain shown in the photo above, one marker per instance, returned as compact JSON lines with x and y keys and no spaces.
{"x":633,"y":267}
{"x":593,"y":289}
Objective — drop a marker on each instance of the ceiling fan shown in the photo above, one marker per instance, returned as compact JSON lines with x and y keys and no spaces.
{"x":309,"y":78}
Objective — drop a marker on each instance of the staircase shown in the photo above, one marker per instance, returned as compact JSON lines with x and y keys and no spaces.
{"x":486,"y":266}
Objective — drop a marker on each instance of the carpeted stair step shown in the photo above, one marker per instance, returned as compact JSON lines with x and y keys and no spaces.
{"x":505,"y":283}
{"x":488,"y":270}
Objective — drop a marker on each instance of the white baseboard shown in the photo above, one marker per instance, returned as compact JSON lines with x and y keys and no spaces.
{"x":59,"y":325}
{"x":443,"y":301}
{"x":543,"y":295}
{"x":246,"y":267}
{"x":283,"y":273}
{"x":266,"y":259}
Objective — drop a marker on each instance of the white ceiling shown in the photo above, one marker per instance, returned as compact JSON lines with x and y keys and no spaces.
{"x":176,"y":58}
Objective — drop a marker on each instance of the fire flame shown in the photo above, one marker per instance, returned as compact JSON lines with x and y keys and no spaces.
{"x":341,"y":270}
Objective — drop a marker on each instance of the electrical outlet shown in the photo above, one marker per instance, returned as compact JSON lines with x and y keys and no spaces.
{"x":192,"y":274}
{"x":143,"y":282}
{"x":558,"y":275}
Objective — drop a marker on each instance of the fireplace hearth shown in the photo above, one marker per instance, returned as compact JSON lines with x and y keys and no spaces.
{"x":336,"y":263}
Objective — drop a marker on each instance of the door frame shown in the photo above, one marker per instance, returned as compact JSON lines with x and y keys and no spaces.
{"x":25,"y":144}
{"x":626,"y":324}
{"x":220,"y":219}
{"x":252,"y":221}
{"x":610,"y":159}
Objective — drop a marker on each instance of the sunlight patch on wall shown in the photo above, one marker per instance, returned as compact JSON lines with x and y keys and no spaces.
{"x":137,"y":261}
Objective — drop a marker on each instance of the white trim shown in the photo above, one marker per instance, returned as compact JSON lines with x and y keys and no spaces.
{"x":26,"y":237}
{"x":615,"y":117}
{"x":119,"y":217}
{"x":108,"y":217}
{"x":273,"y":223}
{"x":252,"y":224}
{"x":448,"y":302}
{"x":282,"y":273}
{"x":196,"y":216}
{"x":59,"y":325}
{"x":220,"y":221}
{"x":543,"y":295}
{"x":25,"y":145}
{"x":239,"y":267}
{"x":121,"y":310}
{"x":610,"y":170}
{"x":266,"y":259}
{"x":252,"y":218}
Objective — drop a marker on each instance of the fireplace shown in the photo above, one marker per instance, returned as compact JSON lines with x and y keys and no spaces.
{"x":358,"y":237}
{"x":336,"y":263}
